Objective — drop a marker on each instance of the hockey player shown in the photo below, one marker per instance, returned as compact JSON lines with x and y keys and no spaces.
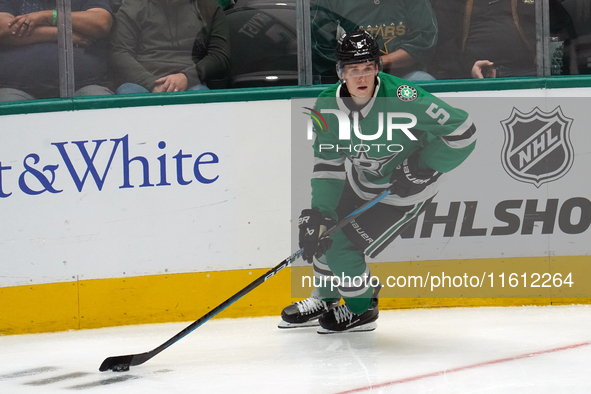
{"x":432,"y":138}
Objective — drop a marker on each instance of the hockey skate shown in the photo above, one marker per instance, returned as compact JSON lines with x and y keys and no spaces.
{"x":341,"y":319}
{"x":305,"y":313}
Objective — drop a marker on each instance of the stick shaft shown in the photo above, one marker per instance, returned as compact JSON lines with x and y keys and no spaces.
{"x":137,"y":359}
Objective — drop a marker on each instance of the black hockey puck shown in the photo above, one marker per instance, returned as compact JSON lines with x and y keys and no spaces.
{"x":120,"y":368}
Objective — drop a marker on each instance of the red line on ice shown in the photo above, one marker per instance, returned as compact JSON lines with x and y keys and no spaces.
{"x":459,"y":369}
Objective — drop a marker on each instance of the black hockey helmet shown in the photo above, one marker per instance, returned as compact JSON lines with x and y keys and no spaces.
{"x":356,"y":47}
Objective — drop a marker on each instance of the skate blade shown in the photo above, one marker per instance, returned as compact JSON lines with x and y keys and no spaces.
{"x":362,"y":328}
{"x":283,"y":324}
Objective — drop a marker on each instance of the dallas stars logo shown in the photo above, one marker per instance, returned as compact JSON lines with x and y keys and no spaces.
{"x":406,"y":93}
{"x":371,"y":164}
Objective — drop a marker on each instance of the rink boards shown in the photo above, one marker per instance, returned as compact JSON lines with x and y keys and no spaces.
{"x":159,"y":213}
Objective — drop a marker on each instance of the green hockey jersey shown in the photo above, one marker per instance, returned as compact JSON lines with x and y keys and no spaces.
{"x":364,"y":146}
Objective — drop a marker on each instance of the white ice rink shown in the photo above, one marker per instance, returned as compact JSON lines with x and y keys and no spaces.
{"x":456,"y":350}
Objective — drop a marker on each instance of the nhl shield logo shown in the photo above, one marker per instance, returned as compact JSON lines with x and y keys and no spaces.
{"x":537,"y":146}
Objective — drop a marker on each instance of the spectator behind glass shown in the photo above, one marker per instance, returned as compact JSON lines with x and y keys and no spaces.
{"x":406,"y":32}
{"x":29,"y":50}
{"x":169,"y":45}
{"x":563,"y":29}
{"x":485,"y":38}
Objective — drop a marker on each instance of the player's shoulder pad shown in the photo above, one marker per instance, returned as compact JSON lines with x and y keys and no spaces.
{"x":331,"y":91}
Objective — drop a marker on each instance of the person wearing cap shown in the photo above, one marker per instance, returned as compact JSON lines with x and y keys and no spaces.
{"x":349,"y":172}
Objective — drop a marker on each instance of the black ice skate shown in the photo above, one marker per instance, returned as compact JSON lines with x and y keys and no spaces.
{"x":341,"y":319}
{"x":305,"y":313}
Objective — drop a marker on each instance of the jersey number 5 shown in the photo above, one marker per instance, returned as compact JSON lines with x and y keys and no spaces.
{"x":441,"y":115}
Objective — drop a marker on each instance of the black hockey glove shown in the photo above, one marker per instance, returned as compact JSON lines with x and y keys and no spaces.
{"x":312,"y":224}
{"x":408,"y":179}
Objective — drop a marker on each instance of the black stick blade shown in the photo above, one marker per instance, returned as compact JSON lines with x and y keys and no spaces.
{"x":117,"y":364}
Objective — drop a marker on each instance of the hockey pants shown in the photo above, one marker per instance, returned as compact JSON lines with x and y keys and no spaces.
{"x":343,"y":271}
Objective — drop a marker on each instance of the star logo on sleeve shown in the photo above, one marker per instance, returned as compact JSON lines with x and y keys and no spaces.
{"x":406,"y":93}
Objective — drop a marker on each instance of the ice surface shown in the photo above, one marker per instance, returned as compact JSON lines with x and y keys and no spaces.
{"x":451,"y":350}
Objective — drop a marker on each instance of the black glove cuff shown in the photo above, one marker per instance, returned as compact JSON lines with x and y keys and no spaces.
{"x":315,"y":216}
{"x":309,"y":217}
{"x":415,"y":169}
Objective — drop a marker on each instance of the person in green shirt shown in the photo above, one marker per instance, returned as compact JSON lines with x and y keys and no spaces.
{"x":352,"y":165}
{"x":406,"y":32}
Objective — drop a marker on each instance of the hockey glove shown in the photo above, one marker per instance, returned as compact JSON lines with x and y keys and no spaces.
{"x":408,"y":179}
{"x":312,"y":225}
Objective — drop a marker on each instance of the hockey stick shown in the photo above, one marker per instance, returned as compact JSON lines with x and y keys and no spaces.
{"x":122,"y":363}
